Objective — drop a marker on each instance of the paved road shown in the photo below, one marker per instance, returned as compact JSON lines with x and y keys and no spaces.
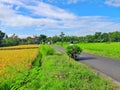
{"x":105,"y":65}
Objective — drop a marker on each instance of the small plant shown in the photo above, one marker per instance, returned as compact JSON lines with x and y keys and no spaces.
{"x":73,"y":50}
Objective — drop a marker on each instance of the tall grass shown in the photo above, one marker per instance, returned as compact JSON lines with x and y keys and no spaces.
{"x":46,"y":50}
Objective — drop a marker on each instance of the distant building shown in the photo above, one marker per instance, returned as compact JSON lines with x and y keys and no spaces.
{"x":37,"y":42}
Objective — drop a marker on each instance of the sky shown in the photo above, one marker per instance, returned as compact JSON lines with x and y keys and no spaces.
{"x":51,"y":17}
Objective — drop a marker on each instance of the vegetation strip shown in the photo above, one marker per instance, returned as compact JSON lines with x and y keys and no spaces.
{"x":18,"y":48}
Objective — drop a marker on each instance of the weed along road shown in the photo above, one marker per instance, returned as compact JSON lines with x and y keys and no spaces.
{"x":109,"y":67}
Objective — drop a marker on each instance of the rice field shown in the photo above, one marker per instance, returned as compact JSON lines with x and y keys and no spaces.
{"x":20,"y":47}
{"x":17,"y":56}
{"x":104,"y":49}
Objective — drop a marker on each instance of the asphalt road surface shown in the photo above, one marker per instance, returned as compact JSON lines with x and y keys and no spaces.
{"x":108,"y":66}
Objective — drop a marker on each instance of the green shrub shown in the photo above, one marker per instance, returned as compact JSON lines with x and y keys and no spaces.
{"x":74,"y":48}
{"x":46,"y":50}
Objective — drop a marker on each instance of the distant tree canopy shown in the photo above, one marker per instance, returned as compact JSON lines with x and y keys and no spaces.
{"x":15,"y":40}
{"x":11,"y":41}
{"x":96,"y":37}
{"x":42,"y":38}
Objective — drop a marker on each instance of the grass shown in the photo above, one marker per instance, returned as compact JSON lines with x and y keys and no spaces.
{"x":57,"y":72}
{"x":111,"y":50}
{"x":60,"y":73}
{"x":46,"y":50}
{"x":65,"y":44}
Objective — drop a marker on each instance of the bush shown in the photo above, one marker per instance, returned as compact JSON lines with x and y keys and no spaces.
{"x":46,"y":50}
{"x":73,"y":49}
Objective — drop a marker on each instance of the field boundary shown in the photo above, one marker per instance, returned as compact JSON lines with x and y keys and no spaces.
{"x":17,"y":48}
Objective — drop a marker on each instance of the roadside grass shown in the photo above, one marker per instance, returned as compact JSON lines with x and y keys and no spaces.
{"x":57,"y":72}
{"x":46,"y":50}
{"x":64,"y":74}
{"x":64,"y":45}
{"x":111,"y":50}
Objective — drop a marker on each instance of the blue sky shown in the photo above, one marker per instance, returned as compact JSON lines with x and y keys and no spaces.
{"x":50,"y":17}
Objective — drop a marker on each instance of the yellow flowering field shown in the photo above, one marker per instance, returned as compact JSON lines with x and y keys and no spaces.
{"x":18,"y":57}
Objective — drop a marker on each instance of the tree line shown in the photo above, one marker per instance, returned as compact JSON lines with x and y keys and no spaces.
{"x":96,"y":37}
{"x":15,"y":40}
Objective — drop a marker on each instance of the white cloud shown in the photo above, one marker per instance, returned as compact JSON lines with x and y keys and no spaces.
{"x":96,"y":27}
{"x":8,"y":17}
{"x":115,"y":3}
{"x":46,"y":10}
{"x":40,"y":9}
{"x":20,"y":35}
{"x":49,"y":16}
{"x":64,"y":1}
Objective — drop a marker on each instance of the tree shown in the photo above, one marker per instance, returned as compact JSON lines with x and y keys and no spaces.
{"x":98,"y":36}
{"x":55,"y":39}
{"x":115,"y":36}
{"x":30,"y":40}
{"x":11,"y":41}
{"x":42,"y":38}
{"x":89,"y":38}
{"x":105,"y":37}
{"x":1,"y":37}
{"x":62,"y":36}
